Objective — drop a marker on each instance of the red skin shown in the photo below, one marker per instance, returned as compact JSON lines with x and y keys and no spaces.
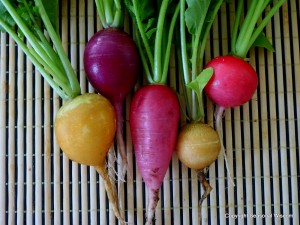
{"x":233,"y":83}
{"x":154,"y":118}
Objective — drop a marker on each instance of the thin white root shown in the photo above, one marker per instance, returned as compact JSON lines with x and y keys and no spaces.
{"x":151,"y":206}
{"x":201,"y":174}
{"x":111,"y":156}
{"x":111,"y":193}
{"x":218,"y":116}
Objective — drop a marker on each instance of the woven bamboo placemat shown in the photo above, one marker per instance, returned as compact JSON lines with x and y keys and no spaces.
{"x":39,"y":185}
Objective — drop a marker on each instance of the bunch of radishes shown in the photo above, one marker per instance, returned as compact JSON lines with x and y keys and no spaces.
{"x":87,"y":124}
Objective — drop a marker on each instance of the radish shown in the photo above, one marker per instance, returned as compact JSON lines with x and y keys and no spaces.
{"x":154,"y":116}
{"x":85,"y":128}
{"x":198,"y":144}
{"x":229,"y":81}
{"x":154,"y":111}
{"x":111,"y":63}
{"x":234,"y":81}
{"x":85,"y":125}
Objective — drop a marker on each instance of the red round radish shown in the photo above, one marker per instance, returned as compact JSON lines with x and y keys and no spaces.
{"x":154,"y":118}
{"x":111,"y":63}
{"x":233,"y":82}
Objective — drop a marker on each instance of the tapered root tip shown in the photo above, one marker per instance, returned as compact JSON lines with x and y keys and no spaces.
{"x":207,"y":189}
{"x":120,"y":141}
{"x":152,"y":203}
{"x":111,"y":193}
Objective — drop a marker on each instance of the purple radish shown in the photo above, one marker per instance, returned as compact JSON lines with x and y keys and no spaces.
{"x":112,"y":63}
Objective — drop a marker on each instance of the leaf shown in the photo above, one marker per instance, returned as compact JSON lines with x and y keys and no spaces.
{"x":145,"y":9}
{"x":263,"y":42}
{"x":199,"y":83}
{"x":51,"y":8}
{"x":195,"y":13}
{"x":5,"y":17}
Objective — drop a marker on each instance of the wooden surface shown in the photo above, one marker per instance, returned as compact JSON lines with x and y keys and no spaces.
{"x":39,"y":185}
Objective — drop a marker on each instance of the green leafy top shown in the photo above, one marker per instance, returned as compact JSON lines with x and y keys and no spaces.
{"x":155,"y":22}
{"x":111,"y":13}
{"x":30,"y":19}
{"x":247,"y":31}
{"x":196,"y":19}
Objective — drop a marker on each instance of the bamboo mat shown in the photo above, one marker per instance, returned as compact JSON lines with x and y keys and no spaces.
{"x":39,"y":185}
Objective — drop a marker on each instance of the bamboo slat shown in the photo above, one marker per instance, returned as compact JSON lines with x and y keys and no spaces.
{"x":40,"y":185}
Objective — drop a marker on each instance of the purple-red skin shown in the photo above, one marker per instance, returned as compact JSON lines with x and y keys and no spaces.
{"x":233,"y":82}
{"x":154,"y":118}
{"x":112,"y":63}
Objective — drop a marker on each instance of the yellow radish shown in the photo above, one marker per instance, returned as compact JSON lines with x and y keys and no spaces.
{"x":85,"y":128}
{"x":198,"y":146}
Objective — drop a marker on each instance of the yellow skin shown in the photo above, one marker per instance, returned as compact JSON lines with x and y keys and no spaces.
{"x":85,"y":127}
{"x":198,"y":145}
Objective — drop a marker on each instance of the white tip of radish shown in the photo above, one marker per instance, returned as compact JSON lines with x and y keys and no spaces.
{"x":152,"y":203}
{"x":218,"y":116}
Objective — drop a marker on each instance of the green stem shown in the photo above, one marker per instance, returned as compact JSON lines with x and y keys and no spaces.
{"x":143,"y":34}
{"x":158,"y":41}
{"x":62,"y":90}
{"x":59,"y":48}
{"x":184,"y":58}
{"x":264,"y":22}
{"x":144,"y":60}
{"x":248,"y":26}
{"x":32,"y":39}
{"x":54,"y":68}
{"x":119,"y":15}
{"x":108,"y":12}
{"x":101,"y":12}
{"x":206,"y":34}
{"x":235,"y":28}
{"x":196,"y":43}
{"x":168,"y":49}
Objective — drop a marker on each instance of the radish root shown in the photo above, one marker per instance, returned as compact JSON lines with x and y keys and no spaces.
{"x":152,"y":203}
{"x":218,"y":116}
{"x":111,"y":192}
{"x":201,"y":174}
{"x":120,"y":140}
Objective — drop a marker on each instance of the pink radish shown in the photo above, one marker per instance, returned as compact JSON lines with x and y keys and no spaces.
{"x":111,"y":62}
{"x":233,"y":82}
{"x":154,"y":112}
{"x":154,"y":118}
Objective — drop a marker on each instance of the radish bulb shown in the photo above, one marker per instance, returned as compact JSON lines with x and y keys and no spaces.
{"x":111,"y":63}
{"x":198,"y":146}
{"x":85,"y":127}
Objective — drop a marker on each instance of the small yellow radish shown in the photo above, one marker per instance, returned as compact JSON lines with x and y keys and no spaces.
{"x":85,"y":128}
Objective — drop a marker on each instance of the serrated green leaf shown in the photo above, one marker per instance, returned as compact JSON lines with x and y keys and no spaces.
{"x":263,"y":42}
{"x":195,"y":13}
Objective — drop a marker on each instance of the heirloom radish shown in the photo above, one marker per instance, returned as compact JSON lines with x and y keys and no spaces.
{"x":85,"y":125}
{"x":154,"y":111}
{"x":111,"y":63}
